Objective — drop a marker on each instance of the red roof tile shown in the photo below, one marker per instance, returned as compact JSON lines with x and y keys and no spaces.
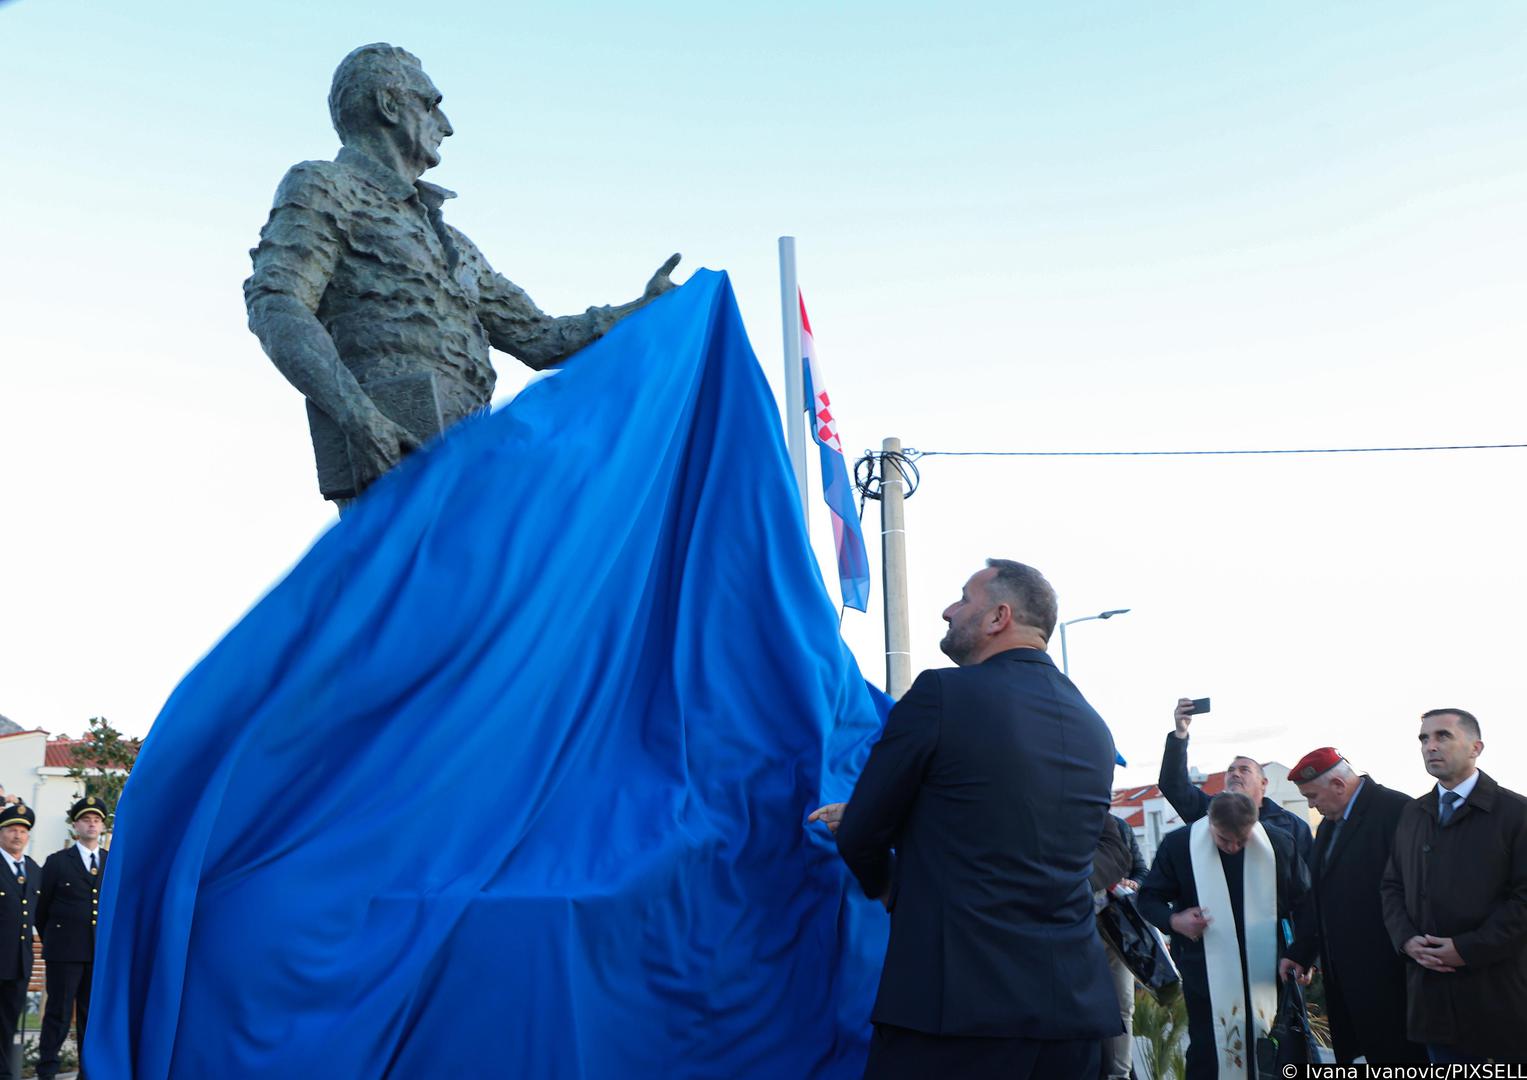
{"x":1134,"y":796}
{"x":1213,"y":784}
{"x":58,"y":754}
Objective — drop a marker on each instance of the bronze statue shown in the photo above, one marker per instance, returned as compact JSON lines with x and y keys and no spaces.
{"x":375,"y":308}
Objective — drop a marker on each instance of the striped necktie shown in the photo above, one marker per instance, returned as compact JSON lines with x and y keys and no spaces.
{"x":1450,"y":801}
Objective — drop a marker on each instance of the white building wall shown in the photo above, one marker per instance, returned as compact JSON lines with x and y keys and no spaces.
{"x":49,"y":792}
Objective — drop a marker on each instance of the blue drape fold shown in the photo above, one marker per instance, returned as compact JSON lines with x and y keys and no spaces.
{"x":509,"y":776}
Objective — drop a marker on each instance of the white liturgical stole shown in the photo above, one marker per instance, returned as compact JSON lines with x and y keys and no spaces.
{"x":1234,"y":1033}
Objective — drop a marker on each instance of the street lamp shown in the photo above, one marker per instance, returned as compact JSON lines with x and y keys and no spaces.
{"x":1065,"y":666}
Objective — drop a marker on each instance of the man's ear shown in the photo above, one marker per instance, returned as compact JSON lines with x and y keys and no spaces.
{"x":1001,"y":618}
{"x":387,"y":104}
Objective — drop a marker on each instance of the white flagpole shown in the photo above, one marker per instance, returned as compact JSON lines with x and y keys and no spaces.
{"x":795,"y":382}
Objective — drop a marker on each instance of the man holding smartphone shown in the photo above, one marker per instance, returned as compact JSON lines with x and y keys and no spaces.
{"x":1244,"y":774}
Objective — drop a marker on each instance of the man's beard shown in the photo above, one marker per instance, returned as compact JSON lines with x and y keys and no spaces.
{"x":957,"y":646}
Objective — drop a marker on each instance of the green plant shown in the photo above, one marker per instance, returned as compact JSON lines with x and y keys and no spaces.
{"x":1164,"y":1029}
{"x":101,"y":761}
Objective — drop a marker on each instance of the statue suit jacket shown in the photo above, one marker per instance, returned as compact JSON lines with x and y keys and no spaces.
{"x":991,"y":783}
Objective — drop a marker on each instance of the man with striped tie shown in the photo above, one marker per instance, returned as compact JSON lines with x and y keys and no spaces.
{"x":1455,"y":902}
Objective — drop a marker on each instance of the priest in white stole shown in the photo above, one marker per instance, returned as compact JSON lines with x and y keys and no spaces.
{"x":1220,"y":886}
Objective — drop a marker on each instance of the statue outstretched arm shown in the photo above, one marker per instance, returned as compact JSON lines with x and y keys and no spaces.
{"x":299,"y":248}
{"x":516,"y":326}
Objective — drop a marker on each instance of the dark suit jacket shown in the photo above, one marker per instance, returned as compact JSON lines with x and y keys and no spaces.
{"x":1170,"y":888}
{"x":1137,"y":867}
{"x":1363,"y":973}
{"x":1111,"y":861}
{"x":67,"y":901}
{"x":1467,"y":881}
{"x":991,"y":782}
{"x":1191,"y":803}
{"x":16,"y":920}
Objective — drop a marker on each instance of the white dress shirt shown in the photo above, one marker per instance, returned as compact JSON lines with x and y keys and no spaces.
{"x":1462,"y":790}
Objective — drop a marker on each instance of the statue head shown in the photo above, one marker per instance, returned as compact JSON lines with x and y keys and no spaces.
{"x":382,"y":102}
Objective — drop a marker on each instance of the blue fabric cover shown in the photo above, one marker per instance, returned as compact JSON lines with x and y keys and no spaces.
{"x":509,"y":776}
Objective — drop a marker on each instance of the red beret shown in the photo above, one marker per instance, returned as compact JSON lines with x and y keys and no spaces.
{"x":1314,"y":764}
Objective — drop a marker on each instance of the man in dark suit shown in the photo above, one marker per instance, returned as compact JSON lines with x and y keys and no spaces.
{"x":975,"y":822}
{"x":1219,"y":887}
{"x":1455,"y":902}
{"x":18,"y":899}
{"x":68,"y":900}
{"x":1244,"y":774}
{"x":1364,"y":976}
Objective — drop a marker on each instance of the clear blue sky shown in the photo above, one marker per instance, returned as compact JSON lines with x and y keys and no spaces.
{"x":1020,"y":226}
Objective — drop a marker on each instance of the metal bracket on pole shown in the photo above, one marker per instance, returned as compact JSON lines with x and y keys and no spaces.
{"x":795,"y":379}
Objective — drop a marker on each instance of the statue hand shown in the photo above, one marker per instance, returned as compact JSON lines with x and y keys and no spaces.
{"x":377,"y":447}
{"x":660,"y":282}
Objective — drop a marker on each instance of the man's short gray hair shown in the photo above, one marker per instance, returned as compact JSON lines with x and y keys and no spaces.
{"x":1026,"y":591}
{"x":352,"y":96}
{"x":1261,"y":768}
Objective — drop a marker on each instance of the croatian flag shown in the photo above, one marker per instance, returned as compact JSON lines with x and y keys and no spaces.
{"x":848,"y":539}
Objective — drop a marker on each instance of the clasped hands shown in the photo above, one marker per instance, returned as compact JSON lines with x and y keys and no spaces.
{"x":1434,"y":953}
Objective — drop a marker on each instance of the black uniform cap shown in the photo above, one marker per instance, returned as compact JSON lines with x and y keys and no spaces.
{"x":90,"y":804}
{"x":17,"y":814}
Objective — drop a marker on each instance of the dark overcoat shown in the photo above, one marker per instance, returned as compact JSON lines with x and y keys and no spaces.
{"x":1170,"y":887}
{"x":991,"y":783}
{"x":18,"y":903}
{"x":1364,"y":976}
{"x":1468,"y":882}
{"x":68,"y":900}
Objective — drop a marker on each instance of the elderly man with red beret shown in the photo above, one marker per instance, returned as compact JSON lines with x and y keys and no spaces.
{"x":1364,"y":975}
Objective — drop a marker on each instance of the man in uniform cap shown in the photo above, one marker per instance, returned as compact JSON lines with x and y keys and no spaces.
{"x":67,"y":905}
{"x":18,"y":898}
{"x":1364,"y":975}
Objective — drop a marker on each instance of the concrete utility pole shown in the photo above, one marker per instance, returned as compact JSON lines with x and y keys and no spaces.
{"x":893,"y":563}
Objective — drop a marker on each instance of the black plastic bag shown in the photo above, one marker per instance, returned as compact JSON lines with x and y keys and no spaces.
{"x":1141,"y":947}
{"x":1290,"y":1042}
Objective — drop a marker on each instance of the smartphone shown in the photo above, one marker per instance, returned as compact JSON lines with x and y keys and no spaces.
{"x":1200,"y":705}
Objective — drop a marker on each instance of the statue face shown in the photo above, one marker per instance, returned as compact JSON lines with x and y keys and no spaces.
{"x":420,"y":126}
